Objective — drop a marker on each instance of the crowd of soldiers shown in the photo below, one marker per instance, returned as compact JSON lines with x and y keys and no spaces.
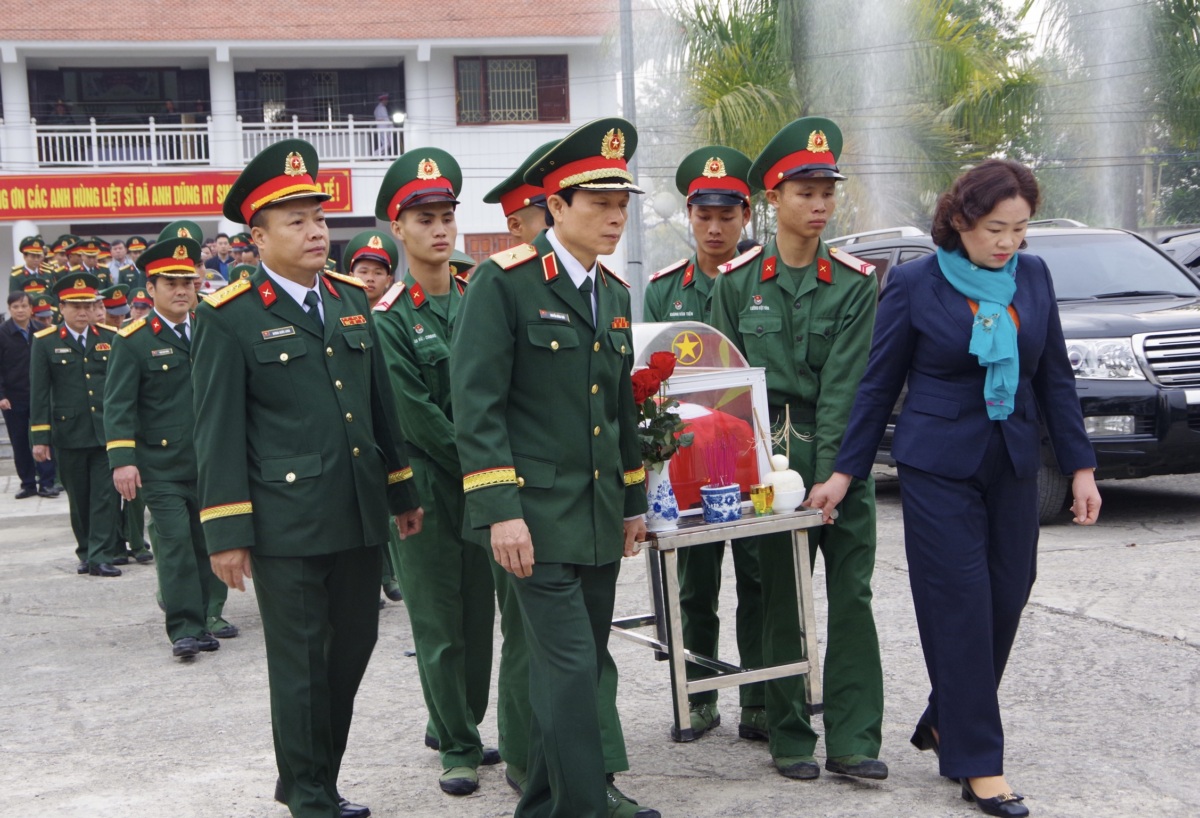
{"x":325,"y":431}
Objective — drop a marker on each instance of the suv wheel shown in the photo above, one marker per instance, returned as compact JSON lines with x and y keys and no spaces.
{"x":1052,"y":493}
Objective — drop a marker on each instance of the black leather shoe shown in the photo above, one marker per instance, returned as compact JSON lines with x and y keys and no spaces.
{"x":81,"y":568}
{"x":185,"y":648}
{"x":1008,"y":804}
{"x":25,"y":494}
{"x":121,"y":560}
{"x":353,"y":810}
{"x":208,"y":642}
{"x":144,"y":557}
{"x":858,"y":766}
{"x":103,"y":569}
{"x":49,"y":491}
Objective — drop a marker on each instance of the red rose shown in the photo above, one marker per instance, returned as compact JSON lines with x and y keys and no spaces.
{"x":645,"y":384}
{"x":663,"y":363}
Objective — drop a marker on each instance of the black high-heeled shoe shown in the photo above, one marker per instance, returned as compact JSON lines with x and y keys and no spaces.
{"x":1007,"y":804}
{"x":923,"y":738}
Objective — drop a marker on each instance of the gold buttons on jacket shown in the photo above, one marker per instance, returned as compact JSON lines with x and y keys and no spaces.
{"x":596,"y":474}
{"x":596,"y":347}
{"x":165,"y":367}
{"x":93,"y":408}
{"x":596,"y":432}
{"x":328,"y":352}
{"x":291,"y":477}
{"x":283,"y":356}
{"x":357,"y":451}
{"x":349,"y":418}
{"x":337,"y":384}
{"x":88,"y":375}
{"x":520,"y":482}
{"x":622,"y":349}
{"x":164,"y":443}
{"x":554,"y":345}
{"x":91,"y":393}
{"x":595,"y":388}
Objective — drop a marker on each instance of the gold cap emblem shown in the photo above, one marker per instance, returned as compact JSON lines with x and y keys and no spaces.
{"x":428,"y":169}
{"x":183,"y":233}
{"x":614,"y":144}
{"x":180,"y":253}
{"x":817,"y":142}
{"x":715,"y":168}
{"x":80,"y":284}
{"x":374,"y":243}
{"x":294,"y":165}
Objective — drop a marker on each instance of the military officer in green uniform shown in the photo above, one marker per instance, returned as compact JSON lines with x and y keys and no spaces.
{"x":67,"y":370}
{"x":140,"y":303}
{"x":149,"y":422}
{"x":805,"y":312}
{"x":547,"y":439}
{"x":713,"y":179}
{"x":45,"y":308}
{"x":33,"y":253}
{"x":300,"y":461}
{"x":524,"y":207}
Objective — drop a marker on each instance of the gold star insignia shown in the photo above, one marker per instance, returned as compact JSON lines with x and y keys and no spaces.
{"x":688,"y":347}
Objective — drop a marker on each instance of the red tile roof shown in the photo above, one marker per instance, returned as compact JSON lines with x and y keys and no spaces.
{"x":188,"y":20}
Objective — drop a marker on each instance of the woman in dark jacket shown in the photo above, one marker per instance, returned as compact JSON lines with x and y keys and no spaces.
{"x":975,"y":331}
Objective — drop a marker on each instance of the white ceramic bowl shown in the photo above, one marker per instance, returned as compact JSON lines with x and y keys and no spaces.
{"x":787,"y":501}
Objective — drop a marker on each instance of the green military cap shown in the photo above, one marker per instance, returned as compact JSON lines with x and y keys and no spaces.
{"x":63,"y":242}
{"x":35,"y":285}
{"x":514,"y":193}
{"x":171,"y":257}
{"x":136,"y":244}
{"x":371,"y":244}
{"x":140,"y":298}
{"x":420,"y":175}
{"x":33,"y":244}
{"x":240,"y":241}
{"x":115,"y":299}
{"x":240,"y":271}
{"x":44,"y":305}
{"x":460,"y":263}
{"x":85,"y":247}
{"x":181,"y":229}
{"x":714,"y":175}
{"x":331,"y":265}
{"x":105,"y":248}
{"x":77,"y":286}
{"x":594,"y":156}
{"x":281,"y":172}
{"x":807,"y":148}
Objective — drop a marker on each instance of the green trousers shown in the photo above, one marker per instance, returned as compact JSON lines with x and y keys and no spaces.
{"x":448,"y":591}
{"x":513,"y":710}
{"x":851,"y":670}
{"x":320,"y":620}
{"x":185,"y":574}
{"x":218,"y":591}
{"x":93,"y":502}
{"x":567,"y":611}
{"x":699,"y":592}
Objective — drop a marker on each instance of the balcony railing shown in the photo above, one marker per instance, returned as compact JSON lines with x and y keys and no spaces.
{"x":163,"y":145}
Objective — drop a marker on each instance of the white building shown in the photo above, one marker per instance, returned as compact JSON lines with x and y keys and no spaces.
{"x":90,"y":146}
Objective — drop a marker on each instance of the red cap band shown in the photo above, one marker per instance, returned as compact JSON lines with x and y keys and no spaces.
{"x":416,"y":188}
{"x":731,"y":183}
{"x":277,"y":188}
{"x":799,"y":159}
{"x":521,"y":196}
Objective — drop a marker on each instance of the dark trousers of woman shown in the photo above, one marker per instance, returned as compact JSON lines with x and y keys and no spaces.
{"x":972,"y":557}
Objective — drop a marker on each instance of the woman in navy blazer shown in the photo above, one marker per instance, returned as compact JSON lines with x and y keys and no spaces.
{"x":968,"y":471}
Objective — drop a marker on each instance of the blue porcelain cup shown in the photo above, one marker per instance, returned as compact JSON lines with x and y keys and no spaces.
{"x":722,"y":504}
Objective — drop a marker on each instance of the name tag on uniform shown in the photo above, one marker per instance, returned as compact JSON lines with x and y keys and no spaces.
{"x":353,"y":320}
{"x":281,"y":332}
{"x":62,"y":350}
{"x":550,"y":315}
{"x":158,"y":353}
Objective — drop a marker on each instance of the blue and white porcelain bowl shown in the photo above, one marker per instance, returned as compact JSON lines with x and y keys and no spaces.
{"x":722,"y":504}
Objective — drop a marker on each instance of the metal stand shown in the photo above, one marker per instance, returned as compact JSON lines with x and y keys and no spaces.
{"x":663,"y":572}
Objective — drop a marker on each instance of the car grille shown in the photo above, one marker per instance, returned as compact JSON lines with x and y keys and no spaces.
{"x":1173,"y":357}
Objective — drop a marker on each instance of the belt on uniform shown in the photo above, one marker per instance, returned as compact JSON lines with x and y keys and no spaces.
{"x":800,"y":414}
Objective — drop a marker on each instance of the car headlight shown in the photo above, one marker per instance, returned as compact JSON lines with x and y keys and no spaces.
{"x":1104,"y":359}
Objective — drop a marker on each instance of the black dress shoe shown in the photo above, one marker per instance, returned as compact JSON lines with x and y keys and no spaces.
{"x":144,"y":557}
{"x":103,"y":569}
{"x":1007,"y":804}
{"x":25,"y":494}
{"x":858,"y":766}
{"x":353,"y":810}
{"x":49,"y":491}
{"x":185,"y":648}
{"x":208,"y":642}
{"x":82,"y":567}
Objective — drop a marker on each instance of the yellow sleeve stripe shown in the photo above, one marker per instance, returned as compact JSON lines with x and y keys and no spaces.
{"x":399,"y":476}
{"x":121,"y":444}
{"x":489,"y":477}
{"x":226,"y":510}
{"x":45,"y":428}
{"x":635,"y":476}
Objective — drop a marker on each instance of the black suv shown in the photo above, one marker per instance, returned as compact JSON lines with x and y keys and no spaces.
{"x":1131,"y":317}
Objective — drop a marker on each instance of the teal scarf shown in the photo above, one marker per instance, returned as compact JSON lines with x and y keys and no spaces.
{"x":993,"y":335}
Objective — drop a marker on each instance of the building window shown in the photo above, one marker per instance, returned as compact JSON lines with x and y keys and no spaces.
{"x":480,"y":246}
{"x":511,"y":89}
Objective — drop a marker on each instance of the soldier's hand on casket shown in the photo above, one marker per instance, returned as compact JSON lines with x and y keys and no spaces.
{"x":512,"y":547}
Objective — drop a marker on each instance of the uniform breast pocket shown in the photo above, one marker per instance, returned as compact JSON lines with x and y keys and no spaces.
{"x":280,"y":352}
{"x":169,"y":364}
{"x":552,"y":337}
{"x":358,"y":340}
{"x":762,"y":335}
{"x":822,"y":332}
{"x":620,"y":342}
{"x":63,"y":413}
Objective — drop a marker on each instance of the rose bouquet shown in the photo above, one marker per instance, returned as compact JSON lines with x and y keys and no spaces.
{"x":660,"y":429}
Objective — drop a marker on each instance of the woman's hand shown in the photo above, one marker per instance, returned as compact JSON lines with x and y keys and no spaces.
{"x":1086,"y":504}
{"x":825,"y":496}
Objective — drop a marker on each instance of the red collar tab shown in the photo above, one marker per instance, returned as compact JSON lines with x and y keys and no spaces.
{"x":329,"y":286}
{"x":62,"y":333}
{"x":768,"y":269}
{"x":689,"y":275}
{"x":549,"y":267}
{"x":824,"y":270}
{"x":156,"y":325}
{"x":267,"y":293}
{"x":94,"y":330}
{"x":417,"y":293}
{"x":460,"y":283}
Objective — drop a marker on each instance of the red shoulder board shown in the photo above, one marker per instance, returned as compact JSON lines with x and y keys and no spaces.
{"x":389,"y":298}
{"x":514,"y":256}
{"x":666,"y":271}
{"x":856,"y":264}
{"x":742,"y":260}
{"x":605,"y":271}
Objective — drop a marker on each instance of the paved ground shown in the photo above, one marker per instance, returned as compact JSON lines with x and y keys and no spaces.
{"x":1101,"y":702}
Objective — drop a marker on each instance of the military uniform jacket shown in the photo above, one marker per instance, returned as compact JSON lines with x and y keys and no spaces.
{"x":680,"y":292}
{"x":148,"y":416}
{"x":66,"y":384}
{"x":543,"y":406}
{"x":298,"y":449}
{"x":812,"y":333}
{"x":416,"y":331}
